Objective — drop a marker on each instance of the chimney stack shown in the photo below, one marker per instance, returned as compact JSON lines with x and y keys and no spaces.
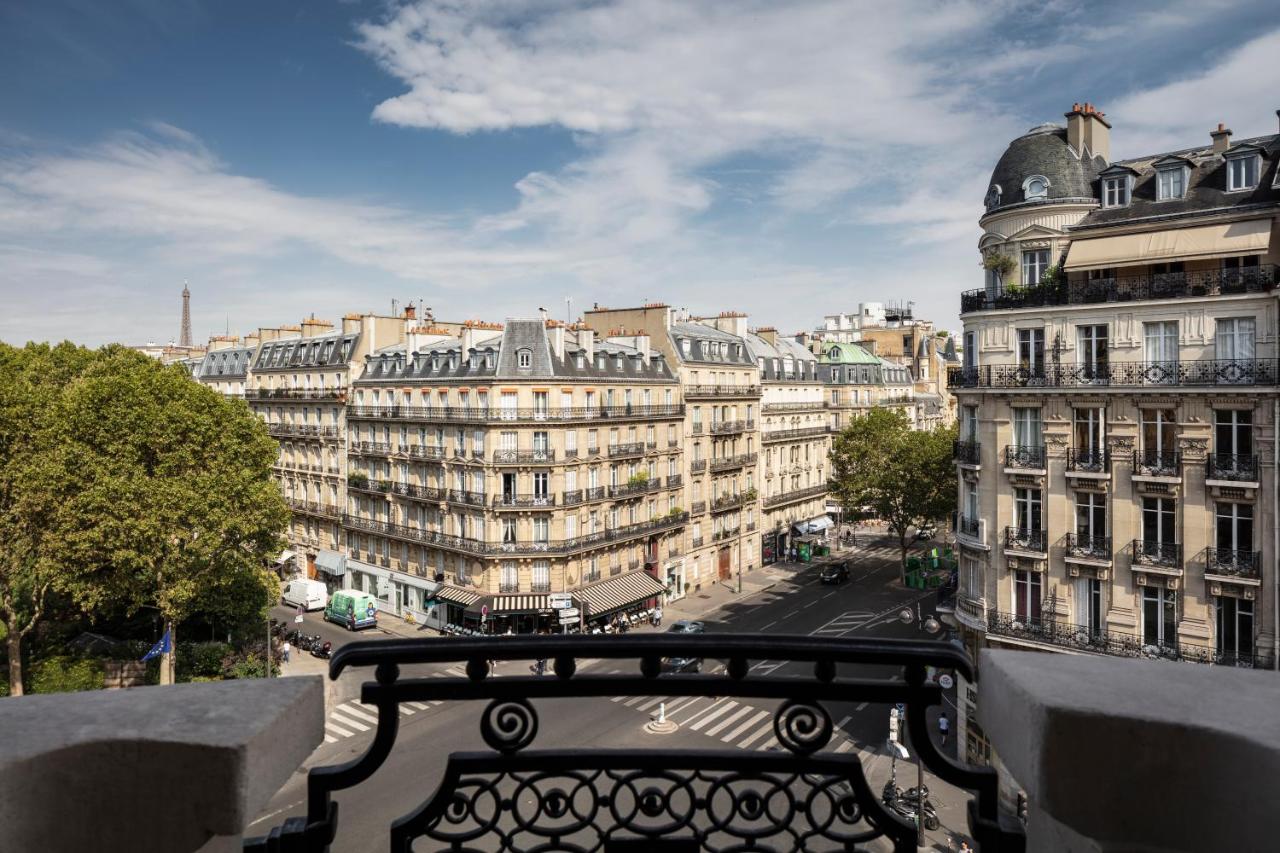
{"x":468,"y":337}
{"x":1089,"y":131}
{"x":311,"y":327}
{"x":1221,"y":138}
{"x":556,"y":331}
{"x":587,"y":340}
{"x":351,"y":323}
{"x":642,"y":344}
{"x":410,"y":312}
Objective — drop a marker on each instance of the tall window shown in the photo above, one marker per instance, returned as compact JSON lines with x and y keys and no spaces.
{"x":1089,"y":429}
{"x":1234,"y":343}
{"x":508,"y":531}
{"x":1115,"y":192}
{"x":1171,"y":183}
{"x":970,"y":350}
{"x":507,"y":439}
{"x":1242,"y":173}
{"x":1034,"y":263}
{"x":1091,"y":517}
{"x":541,"y":442}
{"x":540,"y":481}
{"x":1159,"y":525}
{"x":510,"y":577}
{"x":1235,"y":529}
{"x":508,"y":405}
{"x":1031,"y":351}
{"x":541,"y":529}
{"x":1159,"y":427}
{"x":1026,"y":596}
{"x":1160,"y":349}
{"x":1027,"y":506}
{"x":1092,"y":343}
{"x":1027,"y":430}
{"x":970,"y":505}
{"x":1088,"y":595}
{"x":971,"y":576}
{"x":969,"y":423}
{"x":540,"y":405}
{"x":1233,"y":440}
{"x":541,"y":575}
{"x":1234,"y":628}
{"x":1159,"y":617}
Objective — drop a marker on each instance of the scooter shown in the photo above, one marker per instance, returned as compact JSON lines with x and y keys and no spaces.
{"x":323,"y":650}
{"x":906,"y":803}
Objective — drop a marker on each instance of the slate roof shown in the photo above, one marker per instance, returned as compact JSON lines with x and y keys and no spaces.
{"x":805,"y":363}
{"x":703,"y":341}
{"x":1206,"y":187}
{"x":230,"y":363}
{"x":301,"y":353}
{"x":847,"y":354}
{"x":1043,"y":150}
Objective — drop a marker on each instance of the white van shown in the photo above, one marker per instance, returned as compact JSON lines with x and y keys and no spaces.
{"x":304,"y":593}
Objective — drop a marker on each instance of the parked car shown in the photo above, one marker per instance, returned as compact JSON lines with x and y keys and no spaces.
{"x":685,"y":626}
{"x":926,"y":532}
{"x":834,"y":573}
{"x":352,"y":609}
{"x":305,"y":593}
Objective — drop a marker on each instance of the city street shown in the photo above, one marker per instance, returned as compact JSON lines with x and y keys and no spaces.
{"x":796,"y":603}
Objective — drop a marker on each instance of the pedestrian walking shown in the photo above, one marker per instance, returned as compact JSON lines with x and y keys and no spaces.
{"x":944,"y":726}
{"x":284,"y":652}
{"x":657,"y":617}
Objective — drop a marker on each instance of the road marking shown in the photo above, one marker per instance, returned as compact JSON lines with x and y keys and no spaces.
{"x":408,"y":712}
{"x":845,"y":747}
{"x":338,"y":730}
{"x":351,"y":709}
{"x":358,"y":726}
{"x":456,"y":673}
{"x":632,"y":701}
{"x":699,"y":710}
{"x":840,"y":725}
{"x":706,"y":718}
{"x":810,"y":604}
{"x":770,"y":744}
{"x":742,"y":728}
{"x":419,"y":706}
{"x":729,"y":720}
{"x":644,"y":706}
{"x":792,"y":613}
{"x":756,"y":735}
{"x":682,"y":703}
{"x":862,"y":706}
{"x":617,"y":698}
{"x":770,"y":625}
{"x":328,"y":738}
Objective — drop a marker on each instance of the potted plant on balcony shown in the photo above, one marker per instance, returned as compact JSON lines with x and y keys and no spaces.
{"x":384,"y":485}
{"x":357,"y":480}
{"x":675,"y":512}
{"x":749,"y":494}
{"x":639,"y":478}
{"x":1002,"y":266}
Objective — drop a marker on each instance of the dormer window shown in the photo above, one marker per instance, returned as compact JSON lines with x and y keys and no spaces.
{"x":1242,"y":171}
{"x":1115,"y":191}
{"x":684,"y":347}
{"x":1036,"y":186}
{"x":1171,"y":183}
{"x":524,"y":358}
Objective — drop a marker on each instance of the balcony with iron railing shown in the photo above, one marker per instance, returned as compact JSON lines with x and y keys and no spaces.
{"x":519,"y":501}
{"x":369,"y":448}
{"x":698,"y":507}
{"x":421,"y":451}
{"x":727,"y":502}
{"x":728,"y":463}
{"x":1157,"y":556}
{"x":1081,"y":546}
{"x":1083,"y":291}
{"x":798,"y":434}
{"x":295,"y":393}
{"x":799,"y":406}
{"x":970,"y":528}
{"x":302,"y":430}
{"x":1196,"y":373}
{"x":1088,"y":460}
{"x":633,"y":448}
{"x":1232,"y":468}
{"x":524,"y":457}
{"x":697,"y":466}
{"x":1024,"y":457}
{"x":966,"y":452}
{"x":1233,"y":563}
{"x":636,"y":488}
{"x":1157,"y":463}
{"x":794,"y":496}
{"x":425,"y":493}
{"x":1021,"y":539}
{"x":317,"y":508}
{"x":731,"y":427}
{"x":477,"y":414}
{"x":694,"y":392}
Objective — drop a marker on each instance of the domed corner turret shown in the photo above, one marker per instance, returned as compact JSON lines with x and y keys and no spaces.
{"x":1043,"y":165}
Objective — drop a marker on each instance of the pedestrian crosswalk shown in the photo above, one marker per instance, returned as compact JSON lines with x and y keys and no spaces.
{"x":351,"y":718}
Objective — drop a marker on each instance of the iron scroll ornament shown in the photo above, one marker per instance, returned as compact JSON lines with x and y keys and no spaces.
{"x":514,"y":797}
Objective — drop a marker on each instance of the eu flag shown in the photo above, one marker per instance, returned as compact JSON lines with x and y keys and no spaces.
{"x":163,"y":647}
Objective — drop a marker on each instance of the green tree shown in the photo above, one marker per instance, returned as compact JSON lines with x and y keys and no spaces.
{"x":36,"y":475}
{"x":174,"y":506}
{"x":905,"y":476}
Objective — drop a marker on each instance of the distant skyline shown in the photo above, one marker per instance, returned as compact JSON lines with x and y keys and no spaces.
{"x":488,"y":158}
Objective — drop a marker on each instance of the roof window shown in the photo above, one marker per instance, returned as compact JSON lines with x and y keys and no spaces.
{"x":1243,"y":169}
{"x":1171,"y":182}
{"x":1116,"y":191}
{"x":524,"y":358}
{"x":1036,"y":186}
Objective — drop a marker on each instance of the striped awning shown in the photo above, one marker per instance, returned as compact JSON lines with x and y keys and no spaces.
{"x":331,"y":562}
{"x":457,"y":595}
{"x":518,"y":603}
{"x":613,"y":594}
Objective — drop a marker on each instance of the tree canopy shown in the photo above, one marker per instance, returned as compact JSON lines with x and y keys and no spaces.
{"x":905,"y":476}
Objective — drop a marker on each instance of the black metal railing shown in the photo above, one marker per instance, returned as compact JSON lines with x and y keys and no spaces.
{"x":1163,"y":555}
{"x":524,"y":501}
{"x":421,"y":451}
{"x":1081,"y":291}
{"x":540,"y":586}
{"x":426,"y":493}
{"x":695,"y":391}
{"x":1025,"y":540}
{"x":1092,"y":460}
{"x":504,"y":457}
{"x":1088,"y":547}
{"x":725,"y":427}
{"x":1126,"y":374}
{"x":370,"y":448}
{"x":697,"y":466}
{"x":492,"y":414}
{"x":794,"y":434}
{"x":1236,"y":467}
{"x":634,"y":448}
{"x":808,"y":406}
{"x":1157,"y":463}
{"x":1233,"y":562}
{"x":302,"y":430}
{"x":316,"y":508}
{"x":1028,"y":456}
{"x":794,"y":496}
{"x":636,"y":488}
{"x":730,"y":501}
{"x":511,"y":795}
{"x":295,"y":393}
{"x":698,"y":507}
{"x":726,"y":463}
{"x":966,"y":452}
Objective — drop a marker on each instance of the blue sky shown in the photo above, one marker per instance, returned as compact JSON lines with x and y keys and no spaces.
{"x":495,"y":156}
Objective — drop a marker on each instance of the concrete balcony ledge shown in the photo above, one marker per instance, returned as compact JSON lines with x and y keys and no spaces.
{"x":164,"y":769}
{"x":1128,"y":755}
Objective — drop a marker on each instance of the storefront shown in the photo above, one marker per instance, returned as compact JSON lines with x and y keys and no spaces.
{"x":674,"y":572}
{"x":331,"y":567}
{"x":515,"y":614}
{"x":449,"y":610}
{"x":816,"y":526}
{"x":623,"y":595}
{"x":769,"y":549}
{"x":284,"y":564}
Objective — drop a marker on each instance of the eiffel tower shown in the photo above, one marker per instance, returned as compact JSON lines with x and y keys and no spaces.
{"x":184,"y":339}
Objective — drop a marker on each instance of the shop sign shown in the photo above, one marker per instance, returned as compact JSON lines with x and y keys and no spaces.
{"x":570,"y":620}
{"x":569,"y":613}
{"x":560,"y":600}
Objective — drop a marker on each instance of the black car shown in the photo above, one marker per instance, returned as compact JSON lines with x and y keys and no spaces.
{"x":834,"y":573}
{"x":685,"y":626}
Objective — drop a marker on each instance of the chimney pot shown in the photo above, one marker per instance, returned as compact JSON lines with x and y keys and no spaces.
{"x":1221,"y":138}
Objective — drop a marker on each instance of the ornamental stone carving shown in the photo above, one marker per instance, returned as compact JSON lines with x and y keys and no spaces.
{"x":1120,"y":443}
{"x":1193,"y":449}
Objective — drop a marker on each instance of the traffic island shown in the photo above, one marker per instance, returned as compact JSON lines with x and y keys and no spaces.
{"x":660,"y":725}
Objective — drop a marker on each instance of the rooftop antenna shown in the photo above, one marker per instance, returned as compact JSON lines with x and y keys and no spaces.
{"x":568,"y":310}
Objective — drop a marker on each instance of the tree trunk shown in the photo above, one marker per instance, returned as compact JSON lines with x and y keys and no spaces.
{"x":15,"y":663}
{"x":904,"y":546}
{"x":169,"y":660}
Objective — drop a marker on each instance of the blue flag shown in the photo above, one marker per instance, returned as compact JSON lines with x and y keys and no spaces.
{"x":163,"y":647}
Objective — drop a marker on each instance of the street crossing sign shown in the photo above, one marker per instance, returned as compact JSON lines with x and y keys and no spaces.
{"x":560,"y":600}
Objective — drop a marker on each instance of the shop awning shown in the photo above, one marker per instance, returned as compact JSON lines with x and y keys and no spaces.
{"x":1251,"y":237}
{"x":605,"y":597}
{"x":331,"y":562}
{"x":285,"y":556}
{"x":814,"y":525}
{"x":501,"y":604}
{"x":457,"y":595}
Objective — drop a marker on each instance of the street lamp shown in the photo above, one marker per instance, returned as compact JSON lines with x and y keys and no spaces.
{"x":907,"y":616}
{"x":930,"y":626}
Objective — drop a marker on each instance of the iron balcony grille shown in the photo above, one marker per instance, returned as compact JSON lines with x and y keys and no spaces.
{"x":723,"y":427}
{"x":420,"y":492}
{"x":794,"y":434}
{"x":1101,"y":641}
{"x":1233,"y":562}
{"x":371,"y":448}
{"x":794,"y":496}
{"x":675,"y":481}
{"x":1024,"y":540}
{"x":698,"y":507}
{"x":1235,"y":467}
{"x":725,"y":463}
{"x":515,"y":794}
{"x":634,"y":448}
{"x":1165,"y":555}
{"x":524,"y":501}
{"x":696,"y":391}
{"x":1028,"y":456}
{"x":1088,"y":547}
{"x":729,"y":502}
{"x":462,"y":496}
{"x":507,"y":457}
{"x":364,"y":484}
{"x":1197,"y":283}
{"x":697,"y":466}
{"x":508,"y":587}
{"x":696,"y":542}
{"x":969,"y":527}
{"x":1120,"y":374}
{"x":314,"y":508}
{"x":1157,"y":463}
{"x":794,"y":407}
{"x":1089,"y":460}
{"x":491,"y":414}
{"x":967,"y":452}
{"x":295,"y":393}
{"x":302,"y":430}
{"x":421,"y":451}
{"x":540,"y":586}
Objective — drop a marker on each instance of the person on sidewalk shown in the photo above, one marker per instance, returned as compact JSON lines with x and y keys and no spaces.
{"x":284,"y":652}
{"x":944,"y":726}
{"x":657,"y":617}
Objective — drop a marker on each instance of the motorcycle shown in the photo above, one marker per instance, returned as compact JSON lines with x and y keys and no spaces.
{"x":323,"y":650}
{"x":905,"y":804}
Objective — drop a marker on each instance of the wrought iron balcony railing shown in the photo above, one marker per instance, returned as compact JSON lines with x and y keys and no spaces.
{"x":1234,"y":467}
{"x":1028,"y":456}
{"x":794,"y":434}
{"x":727,"y":427}
{"x":421,"y":451}
{"x":489,"y":414}
{"x":1092,"y":460}
{"x":728,"y":463}
{"x":697,"y":466}
{"x":302,"y":430}
{"x":1025,"y":540}
{"x":370,"y":448}
{"x":1120,"y":374}
{"x":1088,"y":547}
{"x":698,"y":507}
{"x":699,"y":391}
{"x":1157,"y":463}
{"x":518,"y":796}
{"x":634,"y":448}
{"x":966,"y":452}
{"x":794,"y":496}
{"x":295,"y":393}
{"x":537,"y":457}
{"x":1233,"y":562}
{"x":730,"y":501}
{"x":524,"y":501}
{"x":808,"y":406}
{"x":1101,"y":641}
{"x":636,"y":489}
{"x":426,"y":493}
{"x":1197,"y":283}
{"x":1161,"y":555}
